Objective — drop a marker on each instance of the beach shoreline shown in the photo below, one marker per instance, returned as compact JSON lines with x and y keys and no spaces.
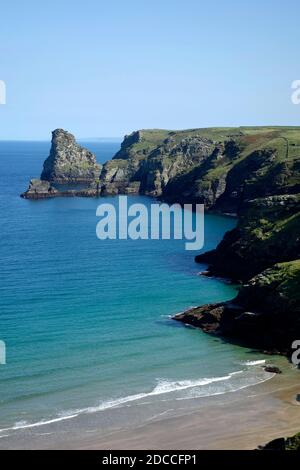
{"x":238,"y":420}
{"x":252,"y":417}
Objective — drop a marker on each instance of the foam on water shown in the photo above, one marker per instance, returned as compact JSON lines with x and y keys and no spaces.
{"x":254,"y":363}
{"x":196,"y":389}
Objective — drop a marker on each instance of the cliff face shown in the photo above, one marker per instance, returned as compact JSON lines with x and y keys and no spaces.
{"x":223,"y":168}
{"x":148,"y":160}
{"x":251,"y":171}
{"x":265,"y":314}
{"x":68,"y":162}
{"x":220,"y":167}
{"x":255,"y":173}
{"x":268,"y":232}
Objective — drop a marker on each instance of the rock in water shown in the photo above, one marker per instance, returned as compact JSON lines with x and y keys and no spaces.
{"x":68,"y":162}
{"x":273,"y":370}
{"x":264,"y":315}
{"x":39,"y":189}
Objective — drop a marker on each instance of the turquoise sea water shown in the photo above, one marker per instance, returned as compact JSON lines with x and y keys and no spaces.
{"x":86,"y":322}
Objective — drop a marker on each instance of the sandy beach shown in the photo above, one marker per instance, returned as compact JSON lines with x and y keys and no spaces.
{"x":245,"y":420}
{"x":238,"y":420}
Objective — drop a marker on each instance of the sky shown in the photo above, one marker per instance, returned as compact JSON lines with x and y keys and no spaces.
{"x":105,"y":68}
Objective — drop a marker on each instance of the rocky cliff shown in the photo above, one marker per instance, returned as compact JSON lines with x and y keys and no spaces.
{"x":265,"y":314}
{"x":148,"y":160}
{"x":253,"y":172}
{"x":68,"y":162}
{"x":268,"y":232}
{"x":221,"y":167}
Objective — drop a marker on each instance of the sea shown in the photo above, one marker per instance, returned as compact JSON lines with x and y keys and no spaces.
{"x":86,"y":323}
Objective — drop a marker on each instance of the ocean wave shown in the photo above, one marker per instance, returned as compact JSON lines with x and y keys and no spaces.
{"x":253,"y":363}
{"x":248,"y":383}
{"x":25,"y":424}
{"x":166,"y":386}
{"x":163,"y":387}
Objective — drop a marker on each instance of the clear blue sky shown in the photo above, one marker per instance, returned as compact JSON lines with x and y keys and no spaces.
{"x":104,"y":68}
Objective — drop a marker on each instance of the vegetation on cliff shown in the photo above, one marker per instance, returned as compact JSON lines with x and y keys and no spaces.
{"x":221,"y":167}
{"x":265,"y":314}
{"x":289,"y":443}
{"x":253,"y":172}
{"x":267,"y":233}
{"x":68,"y":162}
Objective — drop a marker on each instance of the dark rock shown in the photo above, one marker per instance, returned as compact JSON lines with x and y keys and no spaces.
{"x":265,"y":314}
{"x":268,"y":232}
{"x":289,"y":443}
{"x":276,"y":444}
{"x":273,"y":369}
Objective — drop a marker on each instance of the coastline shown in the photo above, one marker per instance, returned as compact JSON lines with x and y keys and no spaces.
{"x":242,"y":420}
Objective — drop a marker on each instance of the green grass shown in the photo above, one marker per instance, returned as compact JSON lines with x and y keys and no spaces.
{"x":293,"y":443}
{"x":285,"y":278}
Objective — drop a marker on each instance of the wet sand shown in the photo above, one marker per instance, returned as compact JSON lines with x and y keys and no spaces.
{"x":251,"y":417}
{"x":237,"y":420}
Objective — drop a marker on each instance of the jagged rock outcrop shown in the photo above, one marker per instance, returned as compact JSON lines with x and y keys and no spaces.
{"x":39,"y":189}
{"x":117,"y":177}
{"x":265,"y":314}
{"x":129,"y":141}
{"x":68,"y":162}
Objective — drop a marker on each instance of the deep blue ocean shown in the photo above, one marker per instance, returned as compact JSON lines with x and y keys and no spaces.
{"x":87,"y":322}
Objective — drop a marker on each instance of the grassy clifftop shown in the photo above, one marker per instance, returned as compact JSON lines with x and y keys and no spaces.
{"x":220,"y":167}
{"x":285,"y":139}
